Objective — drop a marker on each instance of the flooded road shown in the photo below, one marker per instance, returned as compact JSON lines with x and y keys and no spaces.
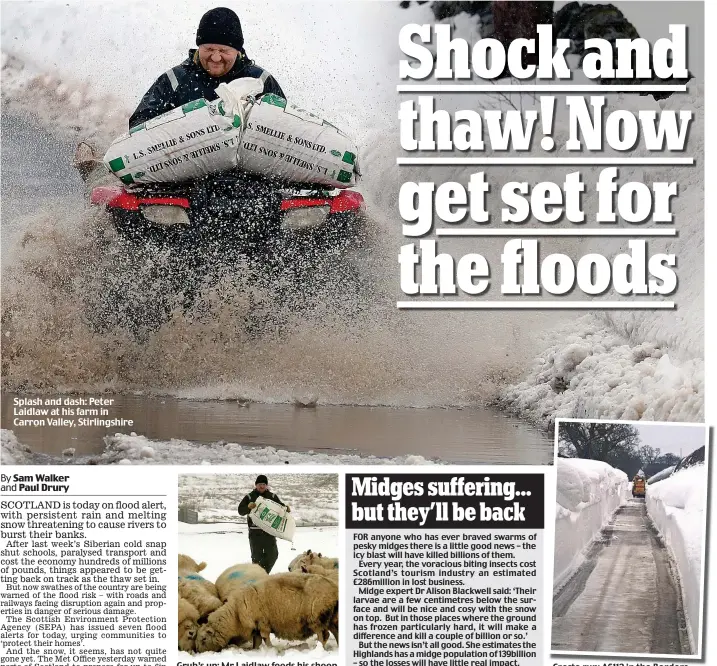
{"x":412,"y":363}
{"x":470,"y":435}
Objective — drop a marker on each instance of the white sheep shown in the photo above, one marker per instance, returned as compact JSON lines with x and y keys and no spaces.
{"x":309,"y":558}
{"x":292,"y":606}
{"x":198,"y":591}
{"x":231,"y":579}
{"x":187,"y":625}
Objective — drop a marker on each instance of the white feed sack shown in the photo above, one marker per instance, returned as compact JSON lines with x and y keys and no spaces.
{"x":287,"y":142}
{"x":268,"y":137}
{"x":273,"y":518}
{"x":188,"y":142}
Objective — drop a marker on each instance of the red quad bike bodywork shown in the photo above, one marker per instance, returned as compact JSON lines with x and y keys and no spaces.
{"x":239,"y":214}
{"x":115,"y":196}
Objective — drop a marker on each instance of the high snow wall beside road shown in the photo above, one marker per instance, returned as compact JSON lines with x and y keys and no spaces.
{"x":588,"y":493}
{"x":676,"y":507}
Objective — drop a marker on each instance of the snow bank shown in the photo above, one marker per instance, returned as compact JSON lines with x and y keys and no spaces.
{"x":677,"y":508}
{"x":592,"y":371}
{"x":135,"y":449}
{"x":66,"y":107}
{"x":588,"y":493}
{"x":13,"y":452}
{"x":660,"y":476}
{"x":132,"y":449}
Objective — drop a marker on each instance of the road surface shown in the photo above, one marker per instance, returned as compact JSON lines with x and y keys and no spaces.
{"x":624,"y":598}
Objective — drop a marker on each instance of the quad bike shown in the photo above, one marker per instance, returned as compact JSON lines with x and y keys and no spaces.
{"x":237,"y":213}
{"x":308,"y":235}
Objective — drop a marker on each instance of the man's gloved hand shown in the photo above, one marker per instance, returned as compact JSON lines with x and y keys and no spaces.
{"x":288,"y":509}
{"x":251,"y":505}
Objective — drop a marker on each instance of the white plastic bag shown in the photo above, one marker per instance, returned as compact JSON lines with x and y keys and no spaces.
{"x":239,"y":95}
{"x":273,"y":518}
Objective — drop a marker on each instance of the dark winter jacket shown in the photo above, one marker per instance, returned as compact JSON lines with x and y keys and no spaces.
{"x":189,"y":81}
{"x":252,"y":497}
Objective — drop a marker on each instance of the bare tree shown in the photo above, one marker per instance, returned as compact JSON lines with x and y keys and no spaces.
{"x":597,"y":441}
{"x":649,"y":454}
{"x":515,"y":100}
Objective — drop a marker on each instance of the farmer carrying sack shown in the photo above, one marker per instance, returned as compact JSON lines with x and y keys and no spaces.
{"x":273,"y":518}
{"x":269,"y":137}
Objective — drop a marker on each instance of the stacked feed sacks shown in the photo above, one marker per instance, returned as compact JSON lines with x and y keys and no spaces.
{"x":266,"y":136}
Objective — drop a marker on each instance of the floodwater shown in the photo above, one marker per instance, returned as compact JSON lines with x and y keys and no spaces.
{"x":466,"y":434}
{"x":35,"y":167}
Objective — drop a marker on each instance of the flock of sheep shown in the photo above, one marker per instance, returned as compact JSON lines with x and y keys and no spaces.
{"x":246,"y":604}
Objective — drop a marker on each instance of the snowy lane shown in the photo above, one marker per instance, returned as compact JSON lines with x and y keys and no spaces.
{"x":624,"y":598}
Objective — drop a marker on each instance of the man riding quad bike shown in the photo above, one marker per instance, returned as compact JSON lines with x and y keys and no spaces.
{"x":221,"y":219}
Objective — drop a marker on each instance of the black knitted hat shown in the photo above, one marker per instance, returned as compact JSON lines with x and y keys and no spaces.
{"x":220,"y":26}
{"x":261,"y":479}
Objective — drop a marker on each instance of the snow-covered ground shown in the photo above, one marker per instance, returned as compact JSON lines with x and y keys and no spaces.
{"x":588,"y":493}
{"x":13,"y":452}
{"x":632,"y":364}
{"x":121,"y":449}
{"x":592,"y":371}
{"x":313,"y":498}
{"x":677,"y":506}
{"x":314,"y":504}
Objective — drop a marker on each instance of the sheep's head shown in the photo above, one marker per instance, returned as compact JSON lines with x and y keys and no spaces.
{"x":299,"y":560}
{"x":187,"y":625}
{"x":208,"y":639}
{"x":187,"y":563}
{"x":311,"y":558}
{"x":187,"y":632}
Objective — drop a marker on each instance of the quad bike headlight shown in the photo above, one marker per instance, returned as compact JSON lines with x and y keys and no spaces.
{"x":299,"y":219}
{"x":166,"y":216}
